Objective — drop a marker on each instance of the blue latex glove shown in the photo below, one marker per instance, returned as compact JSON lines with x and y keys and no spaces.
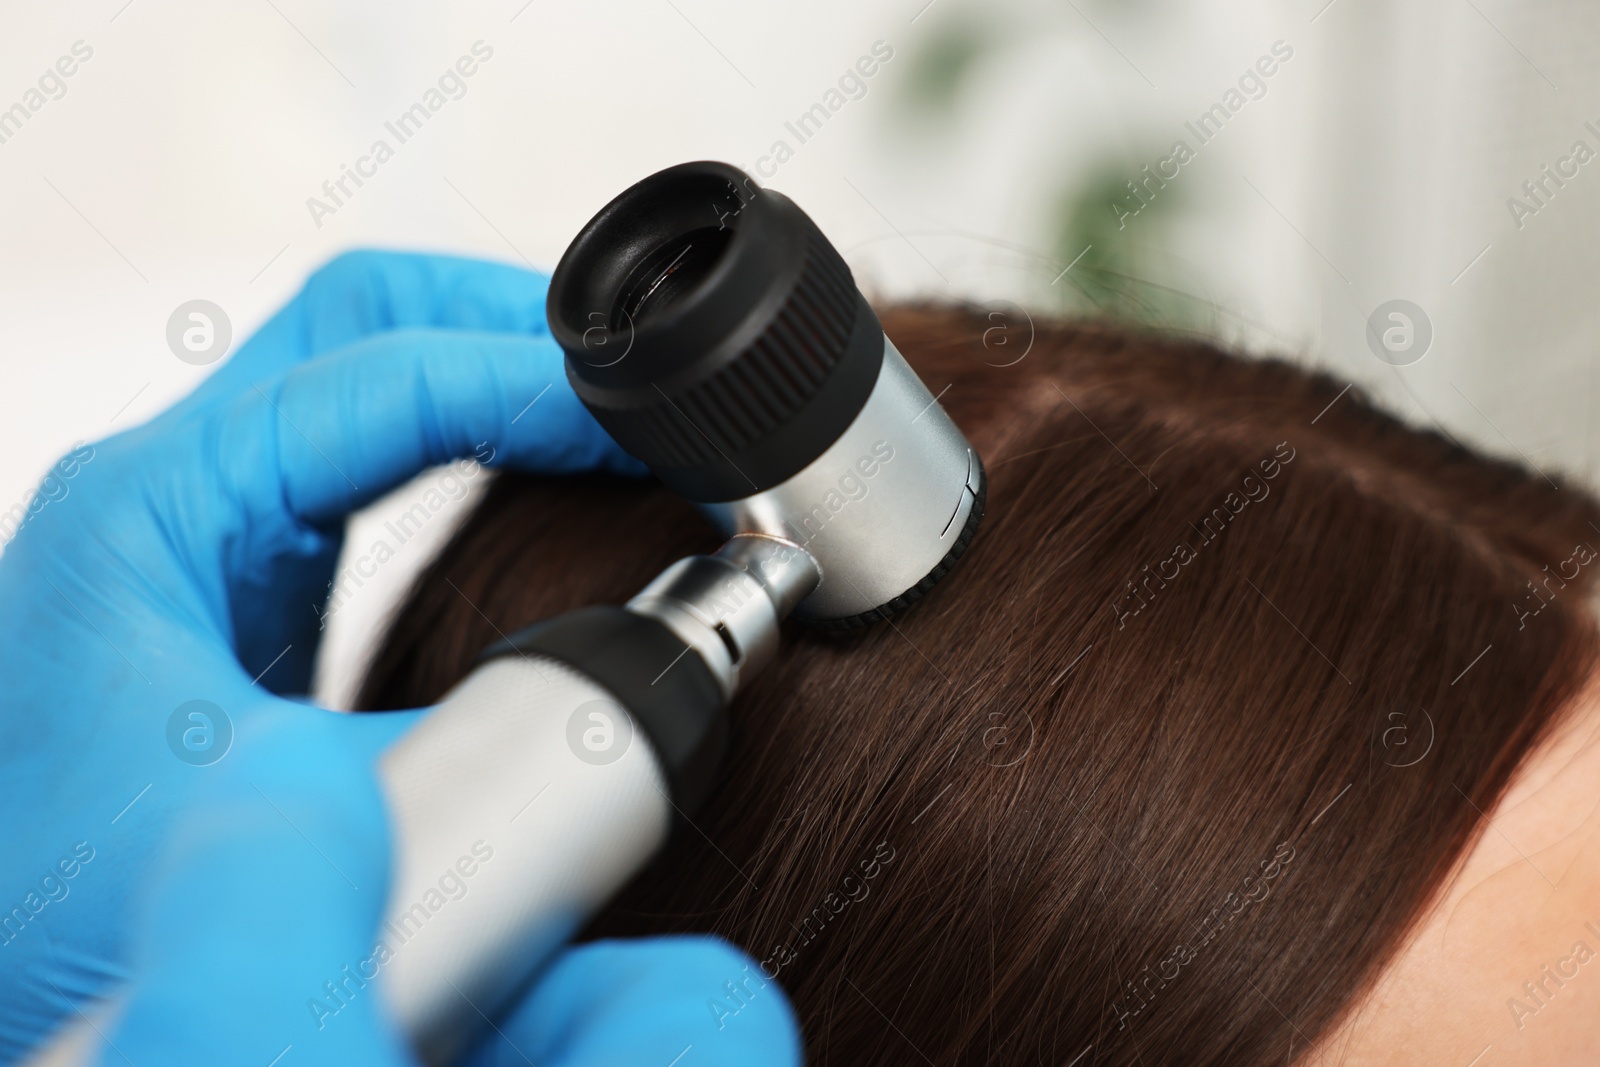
{"x":177,"y":561}
{"x":251,"y":921}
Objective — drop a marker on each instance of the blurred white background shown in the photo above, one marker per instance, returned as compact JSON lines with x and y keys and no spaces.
{"x":1374,"y":164}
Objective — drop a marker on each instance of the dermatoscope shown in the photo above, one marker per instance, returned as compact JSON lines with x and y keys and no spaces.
{"x":719,"y":337}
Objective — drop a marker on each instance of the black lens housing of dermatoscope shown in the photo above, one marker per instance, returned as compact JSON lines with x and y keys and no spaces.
{"x":719,"y":337}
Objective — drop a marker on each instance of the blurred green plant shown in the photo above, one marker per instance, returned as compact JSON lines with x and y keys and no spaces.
{"x":941,"y":63}
{"x":1119,"y":246}
{"x":1122,"y":258}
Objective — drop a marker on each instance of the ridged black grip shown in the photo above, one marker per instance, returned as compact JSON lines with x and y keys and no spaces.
{"x":764,"y":388}
{"x":756,"y":359}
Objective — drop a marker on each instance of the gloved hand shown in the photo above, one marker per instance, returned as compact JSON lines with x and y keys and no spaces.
{"x":188,"y":556}
{"x":256,"y":930}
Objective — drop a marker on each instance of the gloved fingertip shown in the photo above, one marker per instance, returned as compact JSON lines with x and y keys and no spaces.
{"x":651,"y":1000}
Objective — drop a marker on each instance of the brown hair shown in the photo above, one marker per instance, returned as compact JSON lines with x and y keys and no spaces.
{"x":1170,"y":763}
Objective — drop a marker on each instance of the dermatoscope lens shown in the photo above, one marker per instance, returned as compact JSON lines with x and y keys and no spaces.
{"x":662,"y":279}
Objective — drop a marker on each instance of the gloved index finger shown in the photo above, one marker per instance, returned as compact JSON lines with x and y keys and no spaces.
{"x":361,"y":293}
{"x":343,"y":429}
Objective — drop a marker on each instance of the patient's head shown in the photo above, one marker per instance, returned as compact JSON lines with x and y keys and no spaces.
{"x":1176,"y":755}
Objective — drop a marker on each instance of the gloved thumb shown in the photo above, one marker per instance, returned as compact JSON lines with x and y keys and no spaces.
{"x":260,"y":924}
{"x":686,"y":1001}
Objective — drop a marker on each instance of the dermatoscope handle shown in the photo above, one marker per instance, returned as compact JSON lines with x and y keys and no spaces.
{"x":520,"y":804}
{"x":552,"y":774}
{"x":506,"y":840}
